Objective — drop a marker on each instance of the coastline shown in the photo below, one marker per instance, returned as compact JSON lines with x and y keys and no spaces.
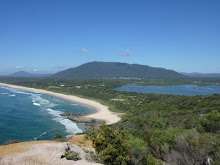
{"x":102,"y":111}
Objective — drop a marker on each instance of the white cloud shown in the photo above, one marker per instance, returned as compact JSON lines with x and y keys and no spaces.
{"x":84,"y":50}
{"x":125,"y":53}
{"x":35,"y":70}
{"x":19,"y":67}
{"x":61,"y":66}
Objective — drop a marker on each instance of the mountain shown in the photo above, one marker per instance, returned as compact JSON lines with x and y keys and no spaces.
{"x":26,"y":74}
{"x":116,"y":69}
{"x":202,"y":75}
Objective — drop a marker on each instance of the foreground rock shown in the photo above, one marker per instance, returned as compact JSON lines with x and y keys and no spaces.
{"x":41,"y":153}
{"x":81,"y":119}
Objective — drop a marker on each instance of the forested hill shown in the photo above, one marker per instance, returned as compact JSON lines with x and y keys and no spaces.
{"x":27,"y":74}
{"x":116,"y":69}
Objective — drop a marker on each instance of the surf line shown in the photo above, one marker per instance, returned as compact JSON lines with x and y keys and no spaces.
{"x":36,"y":138}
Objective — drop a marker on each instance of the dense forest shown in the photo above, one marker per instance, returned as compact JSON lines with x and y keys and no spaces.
{"x":154,"y":128}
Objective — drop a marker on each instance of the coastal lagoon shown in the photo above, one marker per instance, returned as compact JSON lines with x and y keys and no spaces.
{"x":26,"y":116}
{"x":190,"y":90}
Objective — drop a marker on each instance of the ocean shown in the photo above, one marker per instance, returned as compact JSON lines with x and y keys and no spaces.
{"x":27,"y":116}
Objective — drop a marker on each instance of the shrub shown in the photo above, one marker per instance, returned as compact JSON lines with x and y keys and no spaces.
{"x":138,"y":150}
{"x":190,"y":147}
{"x":58,"y":137}
{"x":91,"y":156}
{"x":152,"y":161}
{"x":111,"y":144}
{"x":215,"y":150}
{"x":72,"y":155}
{"x":162,"y":141}
{"x":211,"y":122}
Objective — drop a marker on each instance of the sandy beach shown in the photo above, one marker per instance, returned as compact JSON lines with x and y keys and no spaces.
{"x":102,"y":113}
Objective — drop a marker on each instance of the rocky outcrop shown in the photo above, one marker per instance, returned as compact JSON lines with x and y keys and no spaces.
{"x":95,"y":126}
{"x":65,"y":114}
{"x":43,"y":153}
{"x":80,"y":119}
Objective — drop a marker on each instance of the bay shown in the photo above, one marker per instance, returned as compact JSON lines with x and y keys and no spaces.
{"x":190,"y":90}
{"x":27,"y":116}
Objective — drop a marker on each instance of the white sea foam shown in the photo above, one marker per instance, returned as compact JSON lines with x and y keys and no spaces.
{"x":74,"y":104}
{"x":16,"y":91}
{"x":34,"y":95}
{"x":43,"y":134}
{"x":70,"y":126}
{"x":4,"y":93}
{"x":58,"y":100}
{"x":37,"y":104}
{"x":54,"y":113}
{"x":52,"y":105}
{"x":36,"y":98}
{"x":11,"y":95}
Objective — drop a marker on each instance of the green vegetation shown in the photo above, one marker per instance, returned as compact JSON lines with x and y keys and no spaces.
{"x":211,"y":122}
{"x":58,"y":137}
{"x":116,"y":70}
{"x":111,"y":145}
{"x":139,"y":151}
{"x":157,"y":128}
{"x":116,"y":147}
{"x":72,"y":155}
{"x":92,"y":156}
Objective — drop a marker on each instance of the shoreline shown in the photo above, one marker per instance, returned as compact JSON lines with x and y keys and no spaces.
{"x":102,"y":111}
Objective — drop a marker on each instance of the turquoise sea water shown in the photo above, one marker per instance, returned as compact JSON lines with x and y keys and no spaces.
{"x":28,"y":116}
{"x":174,"y":89}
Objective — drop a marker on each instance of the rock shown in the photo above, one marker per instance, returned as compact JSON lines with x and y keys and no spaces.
{"x":89,"y":124}
{"x":95,"y":126}
{"x":65,"y":114}
{"x":80,"y":119}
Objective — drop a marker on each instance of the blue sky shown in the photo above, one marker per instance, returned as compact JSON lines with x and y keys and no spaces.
{"x":50,"y":35}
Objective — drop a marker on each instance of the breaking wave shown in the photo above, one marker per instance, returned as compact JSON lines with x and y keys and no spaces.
{"x":11,"y":95}
{"x":70,"y":126}
{"x":36,"y":138}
